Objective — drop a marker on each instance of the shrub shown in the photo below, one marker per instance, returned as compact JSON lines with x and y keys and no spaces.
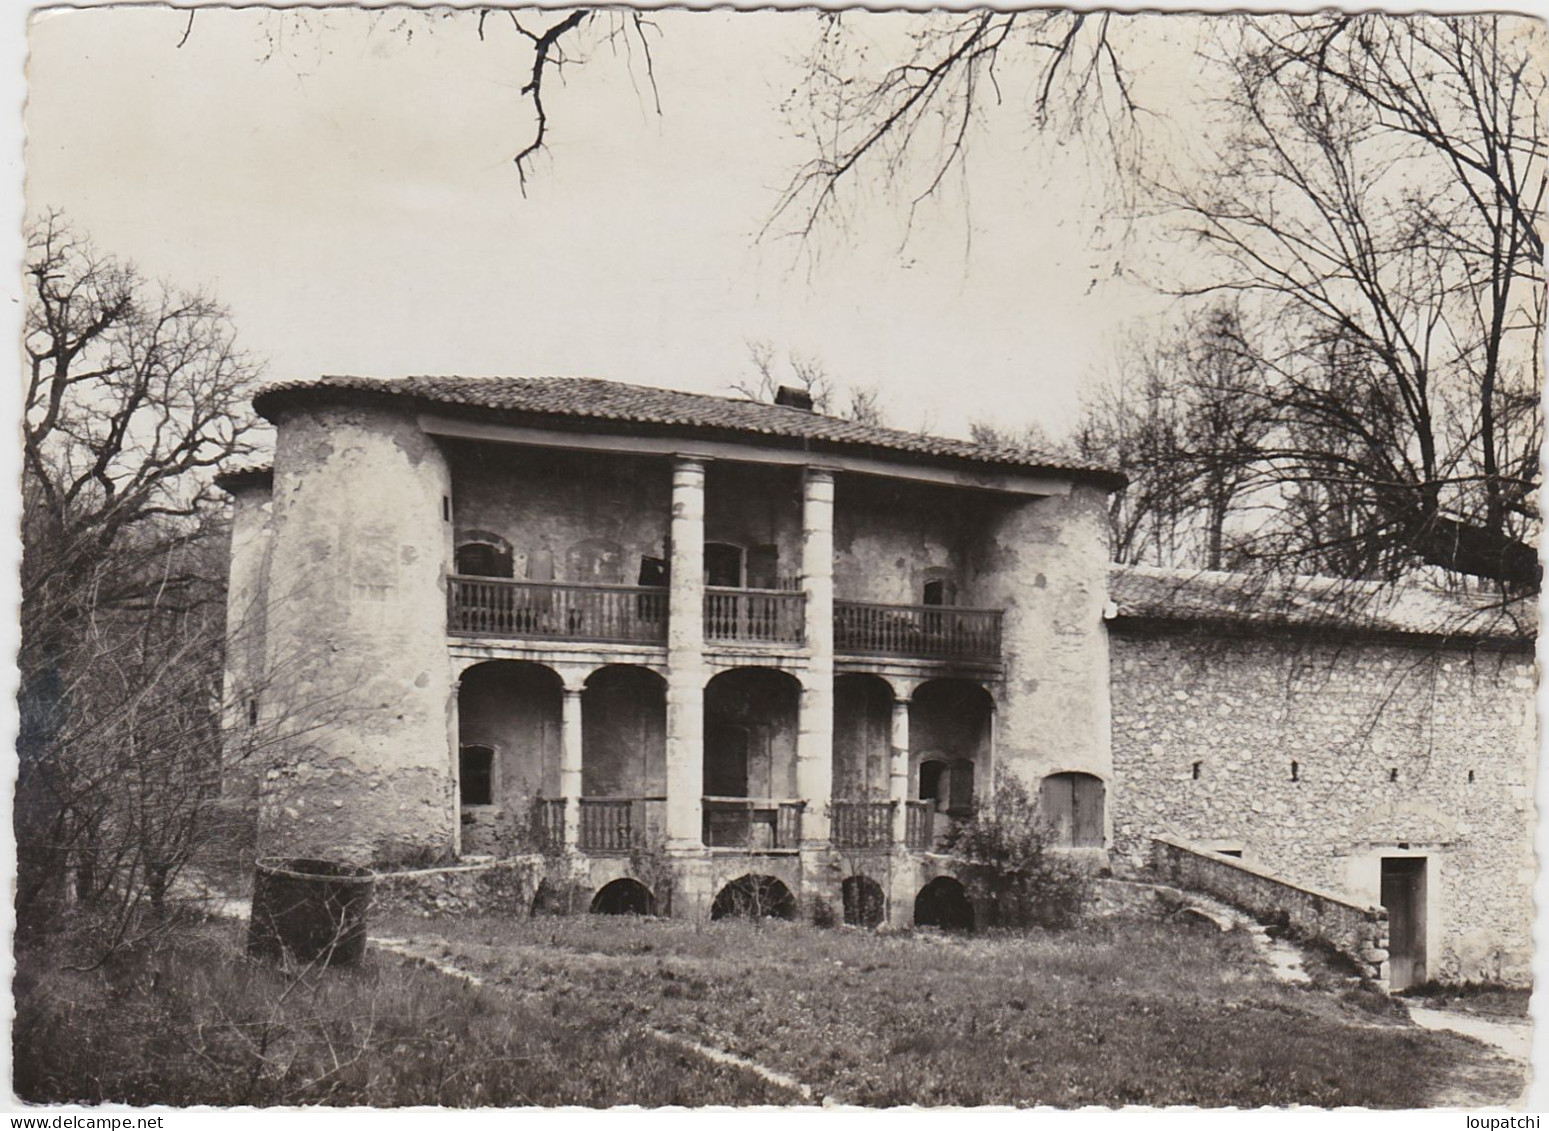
{"x":1006,"y":861}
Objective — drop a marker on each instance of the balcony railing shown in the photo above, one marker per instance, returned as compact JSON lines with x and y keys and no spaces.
{"x":920,"y":825}
{"x":754,"y":616}
{"x":494,"y":606}
{"x":620,"y":824}
{"x":756,"y":824}
{"x":931,"y":632}
{"x":862,"y":824}
{"x":548,"y":822}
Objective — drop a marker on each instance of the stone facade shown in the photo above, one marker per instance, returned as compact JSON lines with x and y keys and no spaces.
{"x":1318,"y":754}
{"x":737,"y":654}
{"x":700,"y":643}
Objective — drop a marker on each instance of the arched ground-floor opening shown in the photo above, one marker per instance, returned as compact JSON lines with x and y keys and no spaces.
{"x":754,"y":897}
{"x":623,"y":759}
{"x":865,"y":904}
{"x":508,"y":727}
{"x":951,"y":722}
{"x":624,"y":897}
{"x":750,"y":760}
{"x":943,"y":903}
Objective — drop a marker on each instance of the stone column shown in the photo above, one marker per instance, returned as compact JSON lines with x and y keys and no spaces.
{"x":815,"y":725}
{"x":686,"y":658}
{"x":570,"y":764}
{"x":898,"y":768}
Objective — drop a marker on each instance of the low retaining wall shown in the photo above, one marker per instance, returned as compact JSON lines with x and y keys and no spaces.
{"x":1358,"y":931}
{"x":504,"y":887}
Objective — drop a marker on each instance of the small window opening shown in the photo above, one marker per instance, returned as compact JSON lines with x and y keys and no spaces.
{"x":252,"y":721}
{"x":940,"y":592}
{"x":1296,"y":770}
{"x":723,"y":565}
{"x":476,"y":766}
{"x":1393,"y":774}
{"x":446,"y":508}
{"x":932,"y":782}
{"x":1470,"y":777}
{"x":1195,"y":770}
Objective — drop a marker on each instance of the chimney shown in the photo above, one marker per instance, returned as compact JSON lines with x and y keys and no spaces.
{"x":792,"y":397}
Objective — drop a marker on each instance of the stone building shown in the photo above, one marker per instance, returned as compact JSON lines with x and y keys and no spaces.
{"x":1373,"y":742}
{"x":579,"y":617}
{"x":692,"y":650}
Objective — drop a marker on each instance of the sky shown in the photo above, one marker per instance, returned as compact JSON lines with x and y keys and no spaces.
{"x":343,"y":182}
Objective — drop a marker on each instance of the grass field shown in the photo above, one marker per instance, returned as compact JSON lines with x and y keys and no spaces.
{"x":1124,"y":1010}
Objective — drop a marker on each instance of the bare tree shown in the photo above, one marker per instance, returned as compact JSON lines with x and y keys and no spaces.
{"x":862,"y":404}
{"x":132,"y":394}
{"x":909,"y":123}
{"x":1376,"y":202}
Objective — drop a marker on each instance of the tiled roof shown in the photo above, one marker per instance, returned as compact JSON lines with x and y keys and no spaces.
{"x":585,"y":398}
{"x":1149,"y":593}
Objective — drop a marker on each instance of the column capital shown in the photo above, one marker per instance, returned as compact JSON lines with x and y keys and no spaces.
{"x":689,"y":461}
{"x":820,"y":473}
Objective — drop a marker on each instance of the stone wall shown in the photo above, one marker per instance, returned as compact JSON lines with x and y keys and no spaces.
{"x":1359,"y":931}
{"x":1316,"y":758}
{"x":499,"y":887}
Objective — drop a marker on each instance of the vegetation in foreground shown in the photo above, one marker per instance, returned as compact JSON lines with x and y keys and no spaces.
{"x":1123,"y":1010}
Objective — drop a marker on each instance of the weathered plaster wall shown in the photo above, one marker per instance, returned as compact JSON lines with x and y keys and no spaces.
{"x":863,"y":707}
{"x":548,"y":504}
{"x":356,"y":640}
{"x":1047,"y":568}
{"x":624,"y":734}
{"x":246,"y":641}
{"x":1348,"y":714}
{"x":891,"y":537}
{"x":753,"y":506}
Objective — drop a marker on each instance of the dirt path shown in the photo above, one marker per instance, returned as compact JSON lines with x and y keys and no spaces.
{"x":1499,"y":1082}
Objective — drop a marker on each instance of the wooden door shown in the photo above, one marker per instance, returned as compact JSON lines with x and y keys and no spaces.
{"x":1403,"y":894}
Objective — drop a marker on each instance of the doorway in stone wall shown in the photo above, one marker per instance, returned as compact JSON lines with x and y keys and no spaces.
{"x":1403,"y":894}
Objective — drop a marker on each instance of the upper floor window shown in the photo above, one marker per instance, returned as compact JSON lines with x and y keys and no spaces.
{"x":723,"y":565}
{"x":940,"y":589}
{"x":483,"y":555}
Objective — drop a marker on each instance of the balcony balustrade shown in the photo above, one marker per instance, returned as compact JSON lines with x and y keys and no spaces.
{"x":551,"y":610}
{"x":754,"y":824}
{"x":930,"y":632}
{"x":548,"y":823}
{"x":632,"y":614}
{"x":621,"y":824}
{"x":862,"y":824}
{"x":755,"y":616}
{"x":920,"y":825}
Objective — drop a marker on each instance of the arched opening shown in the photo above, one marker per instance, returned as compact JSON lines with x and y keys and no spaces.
{"x":623,"y":897}
{"x":511,"y":709}
{"x":950,"y":722}
{"x":480,"y":553}
{"x":548,"y":900}
{"x":623,"y":758}
{"x":754,"y":897}
{"x":595,"y":561}
{"x":750,"y":752}
{"x":943,"y":903}
{"x":864,"y":903}
{"x":1072,"y":807}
